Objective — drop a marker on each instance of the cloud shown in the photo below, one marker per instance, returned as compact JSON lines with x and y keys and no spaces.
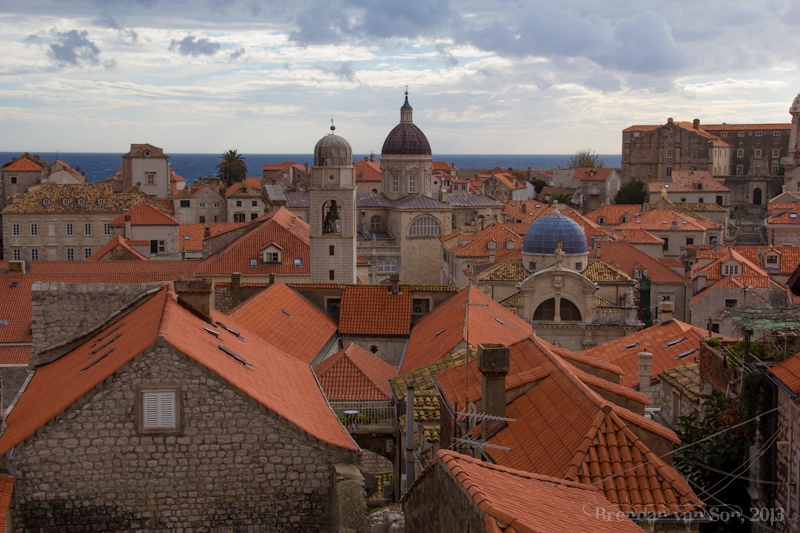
{"x":190,"y":46}
{"x":73,"y":49}
{"x":344,"y":70}
{"x":236,"y":54}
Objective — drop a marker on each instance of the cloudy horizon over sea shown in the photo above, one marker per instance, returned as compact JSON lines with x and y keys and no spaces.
{"x":100,"y":166}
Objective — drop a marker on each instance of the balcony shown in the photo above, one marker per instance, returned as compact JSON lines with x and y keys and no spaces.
{"x":366,"y":416}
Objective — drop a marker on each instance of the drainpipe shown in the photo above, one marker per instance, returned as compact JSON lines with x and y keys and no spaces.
{"x":409,"y":436}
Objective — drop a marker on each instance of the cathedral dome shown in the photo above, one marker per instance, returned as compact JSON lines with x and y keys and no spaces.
{"x":406,"y":138}
{"x":545,"y":234}
{"x":333,"y":151}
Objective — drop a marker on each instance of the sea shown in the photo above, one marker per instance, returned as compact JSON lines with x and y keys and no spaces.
{"x":100,"y":166}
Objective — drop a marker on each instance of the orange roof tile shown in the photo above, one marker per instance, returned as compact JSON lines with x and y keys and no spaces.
{"x":115,"y":242}
{"x":754,"y":127}
{"x":354,"y":374}
{"x":14,"y":355}
{"x":374,"y":310}
{"x":24,"y":163}
{"x":273,"y":378}
{"x":145,"y":215}
{"x":636,"y":235}
{"x":280,"y":227}
{"x":612,"y":214}
{"x":596,"y":445}
{"x":477,"y":244}
{"x":625,"y":256}
{"x":688,"y":181}
{"x":788,"y":256}
{"x":469,"y":316}
{"x":662,"y":220}
{"x":287,"y":320}
{"x":672,"y":344}
{"x":788,"y":372}
{"x":592,"y":174}
{"x":519,"y":501}
{"x":367,"y":171}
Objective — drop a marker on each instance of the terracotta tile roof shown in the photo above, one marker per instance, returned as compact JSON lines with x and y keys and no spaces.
{"x":625,"y":256}
{"x":115,"y":242}
{"x":6,"y":491}
{"x":517,"y":501}
{"x":612,"y":214}
{"x":635,"y":235}
{"x":509,"y":268}
{"x":145,"y":215}
{"x":372,"y":310}
{"x":592,"y":174}
{"x":662,"y":220}
{"x":685,"y":378}
{"x":246,"y":188}
{"x":672,"y":344}
{"x":14,"y":355}
{"x":25,"y":163}
{"x":597,"y":445}
{"x":601,"y":272}
{"x":713,"y":270}
{"x":788,"y":372}
{"x":469,"y":316}
{"x":59,"y":165}
{"x":788,"y":256}
{"x":279,"y":382}
{"x":77,"y":198}
{"x":15,"y":308}
{"x":287,"y":320}
{"x":508,"y":181}
{"x":754,"y":127}
{"x":688,"y":181}
{"x":477,"y":244}
{"x":441,"y":166}
{"x":787,"y":218}
{"x":280,"y":227}
{"x":354,"y":374}
{"x":196,"y":233}
{"x":283,"y":165}
{"x":367,"y":171}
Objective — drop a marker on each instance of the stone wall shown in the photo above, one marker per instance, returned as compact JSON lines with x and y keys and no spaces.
{"x":436,"y":502}
{"x":12,"y":378}
{"x":232,"y":466}
{"x":61,"y":311}
{"x":787,"y":492}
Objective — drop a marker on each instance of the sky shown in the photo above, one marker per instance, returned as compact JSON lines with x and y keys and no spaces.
{"x":483,"y":77}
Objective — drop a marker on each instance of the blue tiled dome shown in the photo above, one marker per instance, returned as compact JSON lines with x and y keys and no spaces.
{"x":545,"y":233}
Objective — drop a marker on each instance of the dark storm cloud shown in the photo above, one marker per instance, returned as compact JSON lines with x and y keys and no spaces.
{"x":190,"y":46}
{"x":73,"y":48}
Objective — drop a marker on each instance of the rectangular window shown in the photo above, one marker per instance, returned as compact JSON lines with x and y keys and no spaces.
{"x":331,"y":275}
{"x":238,"y":217}
{"x":412,"y":183}
{"x":759,"y":133}
{"x":202,"y":219}
{"x":186,"y":203}
{"x":298,"y":262}
{"x":272,"y":257}
{"x":758,"y":152}
{"x":87,"y":253}
{"x":731,"y":302}
{"x":150,"y":178}
{"x":719,"y":200}
{"x":669,"y":153}
{"x":70,"y":254}
{"x":216,"y":204}
{"x":689,"y":240}
{"x":34,"y":230}
{"x":739,"y":169}
{"x":740,"y":152}
{"x":16,"y":254}
{"x":331,"y":250}
{"x":723,"y":134}
{"x":87,"y":229}
{"x":776,"y":152}
{"x":70,"y":230}
{"x":255,"y":203}
{"x":776,"y":134}
{"x":772,"y":259}
{"x":34,"y":254}
{"x":202,"y":204}
{"x":162,"y":247}
{"x":774,"y":169}
{"x":15,"y":230}
{"x":159,"y":410}
{"x":669,"y":172}
{"x":740,"y":134}
{"x":395,"y":184}
{"x":666,"y":243}
{"x":253,"y":216}
{"x":238,"y":203}
{"x":106,"y":229}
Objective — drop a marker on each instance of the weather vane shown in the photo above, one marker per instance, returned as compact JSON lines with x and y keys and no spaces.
{"x":332,"y":126}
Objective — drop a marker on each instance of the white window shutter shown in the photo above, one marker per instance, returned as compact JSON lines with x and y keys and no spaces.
{"x":158,"y":410}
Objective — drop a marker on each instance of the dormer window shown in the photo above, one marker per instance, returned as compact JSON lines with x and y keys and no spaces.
{"x":101,"y":201}
{"x":147,"y":153}
{"x":65,"y":201}
{"x":509,"y":245}
{"x":772,"y":259}
{"x":491,"y":245}
{"x":271,"y":254}
{"x":639,"y":273}
{"x":45,"y":201}
{"x":602,"y":220}
{"x":81,"y":201}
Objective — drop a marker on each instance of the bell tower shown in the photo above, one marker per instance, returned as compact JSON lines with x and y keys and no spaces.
{"x":332,"y":212}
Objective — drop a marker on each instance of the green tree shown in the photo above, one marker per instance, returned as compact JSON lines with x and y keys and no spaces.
{"x":232,"y":168}
{"x":585,"y":159}
{"x":631,"y":193}
{"x":538,"y":184}
{"x":561,"y":198}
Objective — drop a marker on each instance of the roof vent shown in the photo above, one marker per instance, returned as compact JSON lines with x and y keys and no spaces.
{"x":3,"y":322}
{"x":235,"y":356}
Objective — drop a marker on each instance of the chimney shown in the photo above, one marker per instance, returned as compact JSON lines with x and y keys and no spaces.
{"x":394,"y":283}
{"x":128,"y":226}
{"x":669,"y":120}
{"x":696,"y":123}
{"x":196,"y":295}
{"x":665,"y":310}
{"x":206,"y":232}
{"x":645,"y":372}
{"x":236,"y":288}
{"x":493,"y":363}
{"x":16,"y":267}
{"x":443,"y":193}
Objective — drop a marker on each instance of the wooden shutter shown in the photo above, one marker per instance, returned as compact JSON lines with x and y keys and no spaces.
{"x":158,"y":410}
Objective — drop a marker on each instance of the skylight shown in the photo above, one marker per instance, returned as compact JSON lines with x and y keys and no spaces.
{"x":287,"y":313}
{"x":684,"y":354}
{"x":500,"y":321}
{"x":3,"y":322}
{"x":629,"y":346}
{"x":235,"y":356}
{"x":673,"y":343}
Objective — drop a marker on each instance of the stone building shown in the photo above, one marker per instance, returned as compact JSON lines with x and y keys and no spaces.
{"x":151,"y":232}
{"x":19,"y":174}
{"x":787,"y":459}
{"x":63,"y":222}
{"x":243,"y":200}
{"x":147,"y":167}
{"x":173,"y":417}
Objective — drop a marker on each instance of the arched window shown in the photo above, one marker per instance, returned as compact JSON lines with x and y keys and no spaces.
{"x":375,"y":223}
{"x":425,"y":226}
{"x":547,"y":311}
{"x":388,"y":266}
{"x":569,"y":311}
{"x":330,"y":217}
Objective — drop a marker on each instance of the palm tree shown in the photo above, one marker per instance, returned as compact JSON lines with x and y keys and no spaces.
{"x":232,"y":168}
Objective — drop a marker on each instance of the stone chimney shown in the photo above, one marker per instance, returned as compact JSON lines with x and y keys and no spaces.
{"x":394,"y":283}
{"x":236,"y":288}
{"x":443,"y":193}
{"x":196,"y":295}
{"x":645,"y":372}
{"x":493,"y":363}
{"x":665,"y":311}
{"x":128,"y":226}
{"x":696,"y":123}
{"x":16,"y":267}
